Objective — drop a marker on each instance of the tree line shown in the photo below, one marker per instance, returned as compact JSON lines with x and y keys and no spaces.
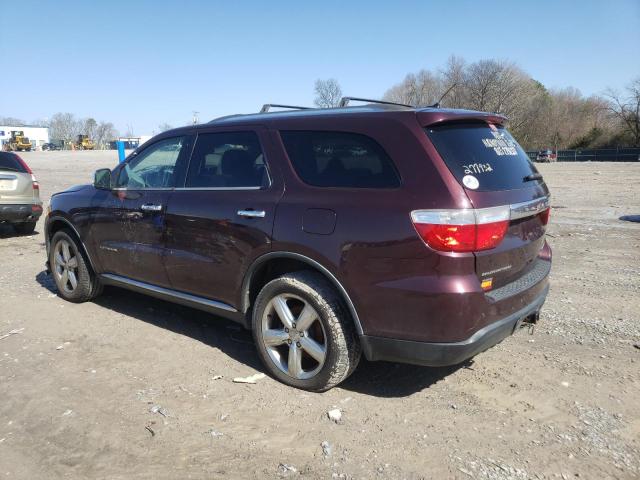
{"x":66,"y":127}
{"x":539,"y":117}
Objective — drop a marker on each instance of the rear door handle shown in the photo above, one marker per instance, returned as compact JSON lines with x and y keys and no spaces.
{"x":251,"y":213}
{"x":150,"y":207}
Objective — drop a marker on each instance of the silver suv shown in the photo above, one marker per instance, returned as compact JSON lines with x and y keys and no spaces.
{"x":20,"y":203}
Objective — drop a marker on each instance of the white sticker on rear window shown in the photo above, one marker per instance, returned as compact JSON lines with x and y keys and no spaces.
{"x":471,"y":182}
{"x":500,"y":144}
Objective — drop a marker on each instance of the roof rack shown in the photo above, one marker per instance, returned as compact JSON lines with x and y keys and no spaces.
{"x":267,"y":106}
{"x":344,"y":101}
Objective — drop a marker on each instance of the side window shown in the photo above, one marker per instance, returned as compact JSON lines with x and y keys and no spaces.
{"x":154,"y":167}
{"x":339,"y":159}
{"x":227,"y":159}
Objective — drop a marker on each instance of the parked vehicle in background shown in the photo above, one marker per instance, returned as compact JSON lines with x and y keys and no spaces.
{"x":20,"y":203}
{"x":52,"y":146}
{"x":84,"y":143}
{"x":18,"y":142}
{"x":409,"y":235}
{"x":546,"y":156}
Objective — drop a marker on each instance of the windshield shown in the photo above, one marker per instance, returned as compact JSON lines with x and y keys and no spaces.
{"x":482,"y":156}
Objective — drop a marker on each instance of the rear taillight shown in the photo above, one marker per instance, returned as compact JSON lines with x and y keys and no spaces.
{"x":464,"y":230}
{"x":24,"y":164}
{"x":34,"y":182}
{"x":544,"y":216}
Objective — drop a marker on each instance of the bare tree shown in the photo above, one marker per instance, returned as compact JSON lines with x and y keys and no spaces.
{"x":163,"y":127}
{"x":453,"y":77}
{"x":89,"y":126}
{"x":626,"y":109}
{"x":105,"y":133}
{"x":63,"y":126}
{"x":421,"y":89}
{"x":328,"y":93}
{"x":11,"y":121}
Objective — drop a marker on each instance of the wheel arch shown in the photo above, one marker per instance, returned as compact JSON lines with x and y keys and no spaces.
{"x":56,"y":223}
{"x":282,"y":262}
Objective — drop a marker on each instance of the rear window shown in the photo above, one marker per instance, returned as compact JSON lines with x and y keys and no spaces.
{"x":8,"y":161}
{"x":339,"y":159}
{"x":482,"y":157}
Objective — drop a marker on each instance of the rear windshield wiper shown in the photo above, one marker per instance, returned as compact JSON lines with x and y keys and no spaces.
{"x":533,"y":176}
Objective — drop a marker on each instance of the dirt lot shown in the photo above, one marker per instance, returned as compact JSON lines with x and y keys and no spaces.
{"x":128,"y":387}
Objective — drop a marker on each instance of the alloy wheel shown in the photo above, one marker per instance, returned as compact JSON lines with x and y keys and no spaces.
{"x":294,"y":336}
{"x":65,"y":266}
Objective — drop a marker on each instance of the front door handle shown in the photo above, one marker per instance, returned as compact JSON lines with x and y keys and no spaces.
{"x":251,"y":213}
{"x":150,"y":207}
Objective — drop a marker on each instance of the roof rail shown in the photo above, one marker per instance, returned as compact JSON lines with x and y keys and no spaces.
{"x":224,"y":117}
{"x":267,"y":106}
{"x":344,"y":101}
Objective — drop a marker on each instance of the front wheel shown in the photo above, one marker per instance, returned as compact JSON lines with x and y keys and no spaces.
{"x":74,"y":278}
{"x":303,"y":333}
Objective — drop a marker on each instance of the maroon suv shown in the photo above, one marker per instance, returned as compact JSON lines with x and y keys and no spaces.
{"x":412,"y":235}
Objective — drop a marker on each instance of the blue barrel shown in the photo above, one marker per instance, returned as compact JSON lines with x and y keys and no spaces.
{"x":121,"y":155}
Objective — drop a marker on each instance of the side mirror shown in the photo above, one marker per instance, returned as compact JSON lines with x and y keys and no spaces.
{"x":102,"y":179}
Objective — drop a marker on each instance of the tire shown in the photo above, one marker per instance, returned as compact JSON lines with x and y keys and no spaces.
{"x":25,"y":228}
{"x":87,"y":286}
{"x":327,"y":345}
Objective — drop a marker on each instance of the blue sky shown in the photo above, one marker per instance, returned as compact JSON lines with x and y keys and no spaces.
{"x":142,"y":63}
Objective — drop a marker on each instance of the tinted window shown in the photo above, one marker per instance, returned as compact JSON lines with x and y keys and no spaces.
{"x":153,"y":167}
{"x":337,"y":159}
{"x":8,"y":161}
{"x":482,"y":156}
{"x":227,"y":160}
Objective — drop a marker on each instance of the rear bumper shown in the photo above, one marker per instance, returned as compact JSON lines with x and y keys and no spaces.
{"x":20,"y":212}
{"x":453,"y":353}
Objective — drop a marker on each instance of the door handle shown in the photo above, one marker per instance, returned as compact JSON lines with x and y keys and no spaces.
{"x":150,"y":207}
{"x":251,"y":213}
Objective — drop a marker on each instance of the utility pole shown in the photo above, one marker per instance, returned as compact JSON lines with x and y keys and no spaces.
{"x":195,"y":117}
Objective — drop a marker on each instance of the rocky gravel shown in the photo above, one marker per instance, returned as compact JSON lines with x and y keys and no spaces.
{"x":132,"y":387}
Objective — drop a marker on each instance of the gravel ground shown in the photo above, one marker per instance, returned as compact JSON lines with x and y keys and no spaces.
{"x":132,"y":387}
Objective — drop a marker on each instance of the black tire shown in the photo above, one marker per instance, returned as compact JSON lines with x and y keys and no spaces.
{"x":340,"y":340}
{"x":88,"y":285}
{"x":25,"y":228}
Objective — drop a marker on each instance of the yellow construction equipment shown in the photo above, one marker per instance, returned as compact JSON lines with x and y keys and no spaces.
{"x":85,"y":143}
{"x":18,"y":142}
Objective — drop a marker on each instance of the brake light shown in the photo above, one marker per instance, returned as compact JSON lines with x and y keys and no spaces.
{"x":544,"y":216}
{"x":464,"y":230}
{"x":34,"y":182}
{"x":24,"y":164}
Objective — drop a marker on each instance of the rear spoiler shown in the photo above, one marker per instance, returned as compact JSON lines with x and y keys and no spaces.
{"x":432,"y":116}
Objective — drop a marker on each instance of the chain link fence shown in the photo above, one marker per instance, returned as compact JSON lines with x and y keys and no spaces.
{"x":597,"y":155}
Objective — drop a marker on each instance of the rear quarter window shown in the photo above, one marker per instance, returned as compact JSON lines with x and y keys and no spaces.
{"x":482,"y":157}
{"x":339,"y":159}
{"x":9,"y":162}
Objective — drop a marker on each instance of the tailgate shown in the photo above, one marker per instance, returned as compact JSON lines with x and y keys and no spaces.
{"x":15,"y":187}
{"x":495,"y":172}
{"x":517,"y":254}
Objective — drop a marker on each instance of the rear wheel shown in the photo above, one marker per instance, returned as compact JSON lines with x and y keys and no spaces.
{"x":303,"y":334}
{"x":24,"y":228}
{"x":76,"y":282}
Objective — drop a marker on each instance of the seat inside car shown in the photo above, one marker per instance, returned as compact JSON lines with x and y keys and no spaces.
{"x":237,"y":168}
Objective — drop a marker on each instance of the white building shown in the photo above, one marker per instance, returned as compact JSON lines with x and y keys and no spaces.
{"x":36,"y":135}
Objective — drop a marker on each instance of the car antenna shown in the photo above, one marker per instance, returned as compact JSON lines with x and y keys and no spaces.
{"x":437,"y":104}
